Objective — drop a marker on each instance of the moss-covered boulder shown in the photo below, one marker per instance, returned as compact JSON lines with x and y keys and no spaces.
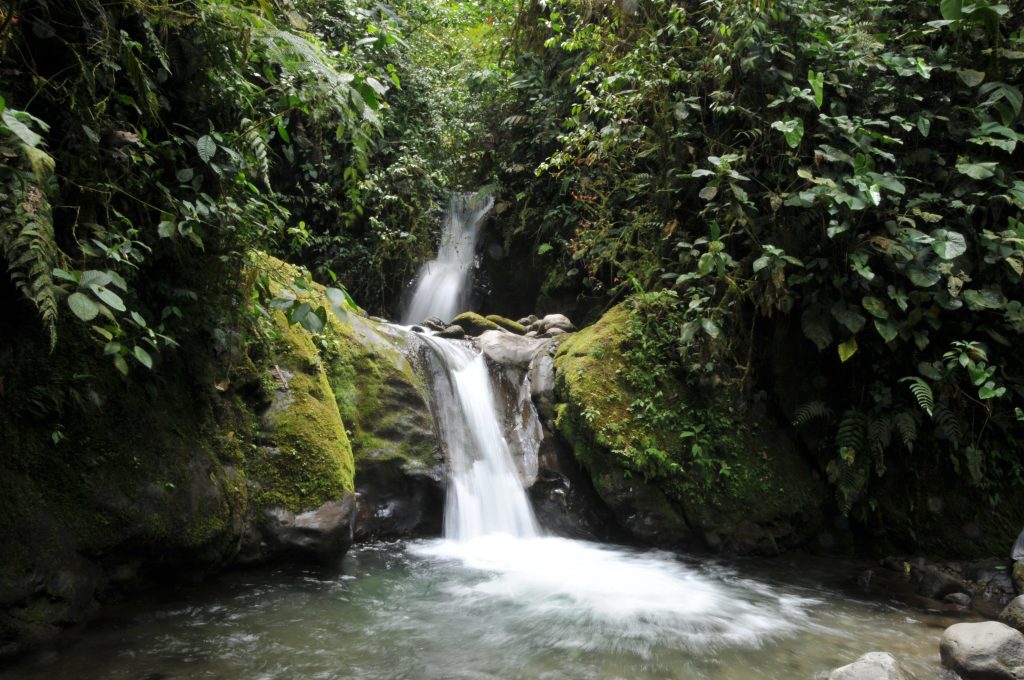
{"x":382,"y":400}
{"x":508,"y":324}
{"x":682,"y":465}
{"x":474,"y":324}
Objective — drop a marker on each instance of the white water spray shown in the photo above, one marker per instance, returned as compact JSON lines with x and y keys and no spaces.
{"x":444,"y":281}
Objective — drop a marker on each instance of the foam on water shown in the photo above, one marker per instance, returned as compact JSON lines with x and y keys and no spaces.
{"x":639,"y":599}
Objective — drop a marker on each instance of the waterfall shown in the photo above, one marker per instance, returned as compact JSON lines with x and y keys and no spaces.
{"x":443,"y":282}
{"x":485,"y":494}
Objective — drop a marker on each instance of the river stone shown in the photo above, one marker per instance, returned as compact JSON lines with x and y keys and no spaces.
{"x":872,"y":666}
{"x":1013,"y":614}
{"x":508,"y":324}
{"x":434,"y":324}
{"x":959,"y":599}
{"x":452,"y":332}
{"x":551,"y":321}
{"x":936,"y":582}
{"x":474,"y":324}
{"x":321,"y":535}
{"x":527,"y":320}
{"x":1018,"y":548}
{"x":983,"y":651}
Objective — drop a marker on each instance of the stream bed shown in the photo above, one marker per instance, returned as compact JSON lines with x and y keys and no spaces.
{"x":501,"y":607}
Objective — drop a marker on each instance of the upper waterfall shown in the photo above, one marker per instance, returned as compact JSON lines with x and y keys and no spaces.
{"x":443,"y":283}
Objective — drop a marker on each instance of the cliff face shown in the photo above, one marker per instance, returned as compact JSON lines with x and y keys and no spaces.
{"x":231,"y":452}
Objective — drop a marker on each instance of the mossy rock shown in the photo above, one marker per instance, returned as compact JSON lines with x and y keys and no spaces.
{"x":748,"y":492}
{"x":507,"y":324}
{"x":474,"y":324}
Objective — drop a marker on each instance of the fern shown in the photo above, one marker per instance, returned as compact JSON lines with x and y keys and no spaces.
{"x":27,"y":240}
{"x":949,"y":424}
{"x":906,"y":426}
{"x":811,"y":410}
{"x":922,"y":391}
{"x":258,"y":148}
{"x":136,"y":73}
{"x":851,"y":435}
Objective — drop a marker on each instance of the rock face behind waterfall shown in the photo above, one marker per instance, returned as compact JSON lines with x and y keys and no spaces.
{"x":760,"y":497}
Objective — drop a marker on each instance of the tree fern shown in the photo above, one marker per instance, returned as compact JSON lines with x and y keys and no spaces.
{"x":851,"y":435}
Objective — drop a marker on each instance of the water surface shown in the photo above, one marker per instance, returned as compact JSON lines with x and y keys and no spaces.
{"x":499,"y":607}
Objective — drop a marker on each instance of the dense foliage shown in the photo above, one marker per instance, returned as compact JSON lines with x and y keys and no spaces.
{"x":831,"y":193}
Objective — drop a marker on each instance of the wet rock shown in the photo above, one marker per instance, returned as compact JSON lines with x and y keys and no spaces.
{"x":958,"y":599}
{"x":321,"y":535}
{"x":453,"y":332}
{"x":434,"y":324}
{"x":474,"y":324}
{"x":527,"y":320}
{"x":1013,"y":614}
{"x":983,"y":651}
{"x":508,"y":324}
{"x":936,"y":582}
{"x":417,"y":329}
{"x":397,"y":498}
{"x":1018,"y":576}
{"x":872,"y":666}
{"x":1017,"y":553}
{"x":552,"y":321}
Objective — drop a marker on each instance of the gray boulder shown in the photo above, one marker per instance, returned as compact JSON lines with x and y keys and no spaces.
{"x":320,"y":535}
{"x":1018,"y":576}
{"x":552,"y":322}
{"x":1013,"y":614}
{"x":983,"y":651}
{"x":1018,"y":548}
{"x":872,"y":666}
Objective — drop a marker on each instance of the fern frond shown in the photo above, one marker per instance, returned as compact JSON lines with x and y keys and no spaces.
{"x":922,"y":391}
{"x":949,"y":424}
{"x":258,"y":148}
{"x":811,"y":410}
{"x":851,"y":435}
{"x":879,"y":434}
{"x":906,"y":426}
{"x":137,"y":76}
{"x":28,"y":245}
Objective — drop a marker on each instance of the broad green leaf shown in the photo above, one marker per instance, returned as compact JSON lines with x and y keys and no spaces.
{"x":986,"y":298}
{"x":977,"y":170}
{"x":948,"y":244}
{"x":951,"y":9}
{"x":710,"y":327}
{"x":338,"y":298}
{"x":847,"y":349}
{"x":708,"y":192}
{"x":887,"y":329}
{"x":121,"y":364}
{"x":875,"y":307}
{"x":143,"y":356}
{"x":970,"y":77}
{"x":792,"y":129}
{"x":848,"y":316}
{"x":83,"y":307}
{"x":109,"y":297}
{"x":166,"y":229}
{"x":19,"y":129}
{"x":544,"y":248}
{"x":923,"y":278}
{"x":817,"y":82}
{"x":206,"y":148}
{"x":93,"y":277}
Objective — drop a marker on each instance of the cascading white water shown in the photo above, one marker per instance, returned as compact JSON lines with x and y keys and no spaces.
{"x":443,"y":282}
{"x":485,"y":495}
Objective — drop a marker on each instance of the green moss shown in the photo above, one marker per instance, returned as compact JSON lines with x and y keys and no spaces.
{"x":507,"y":324}
{"x":474,"y":324}
{"x":715,"y":465}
